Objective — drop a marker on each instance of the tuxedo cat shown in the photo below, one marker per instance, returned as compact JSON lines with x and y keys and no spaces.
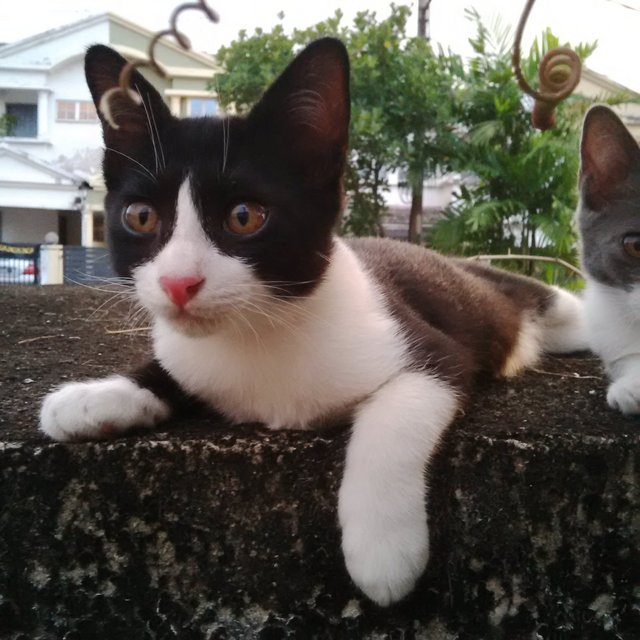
{"x":609,"y":225}
{"x":226,"y":228}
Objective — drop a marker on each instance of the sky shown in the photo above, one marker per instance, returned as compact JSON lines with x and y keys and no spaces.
{"x":615,"y":24}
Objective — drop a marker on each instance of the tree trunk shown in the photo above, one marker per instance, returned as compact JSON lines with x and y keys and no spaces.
{"x":415,"y":216}
{"x":375,"y":223}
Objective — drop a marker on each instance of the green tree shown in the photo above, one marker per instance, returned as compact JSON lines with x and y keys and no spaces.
{"x":525,"y":195}
{"x":251,"y":64}
{"x":403,"y":92}
{"x":421,"y":114}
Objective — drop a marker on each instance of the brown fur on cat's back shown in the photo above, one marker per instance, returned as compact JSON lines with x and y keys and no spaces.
{"x":464,"y":318}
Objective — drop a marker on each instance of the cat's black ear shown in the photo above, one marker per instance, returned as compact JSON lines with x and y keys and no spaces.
{"x":305,"y":113}
{"x":608,"y":155}
{"x":102,"y":70}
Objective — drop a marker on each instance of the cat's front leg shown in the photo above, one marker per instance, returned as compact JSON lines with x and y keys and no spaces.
{"x":624,"y":391}
{"x":382,"y":503}
{"x":98,"y":409}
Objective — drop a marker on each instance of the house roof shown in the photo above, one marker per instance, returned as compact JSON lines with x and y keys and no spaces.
{"x":57,"y":32}
{"x":21,"y":157}
{"x":607,"y":84}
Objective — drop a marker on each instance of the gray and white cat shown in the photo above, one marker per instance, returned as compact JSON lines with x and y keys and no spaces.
{"x":226,"y":228}
{"x":609,"y":225}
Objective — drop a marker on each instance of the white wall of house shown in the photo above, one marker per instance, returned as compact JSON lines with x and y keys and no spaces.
{"x":58,"y":197}
{"x":436,"y":192}
{"x":32,"y":195}
{"x":12,"y":170}
{"x":67,"y":83}
{"x":41,"y":71}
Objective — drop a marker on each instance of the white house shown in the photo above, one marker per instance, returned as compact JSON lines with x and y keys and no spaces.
{"x":50,"y":157}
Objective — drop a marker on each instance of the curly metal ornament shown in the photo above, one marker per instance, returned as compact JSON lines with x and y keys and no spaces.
{"x":559,"y":75}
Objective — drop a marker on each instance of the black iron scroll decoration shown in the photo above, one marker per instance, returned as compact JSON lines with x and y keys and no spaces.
{"x":125,"y":75}
{"x":559,"y":74}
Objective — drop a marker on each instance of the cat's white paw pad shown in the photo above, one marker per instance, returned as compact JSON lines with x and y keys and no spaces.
{"x":386,"y":559}
{"x":624,"y":395}
{"x":99,"y":409}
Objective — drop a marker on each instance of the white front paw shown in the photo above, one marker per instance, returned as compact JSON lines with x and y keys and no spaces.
{"x":624,"y":395}
{"x":99,"y":409}
{"x":385,"y":551}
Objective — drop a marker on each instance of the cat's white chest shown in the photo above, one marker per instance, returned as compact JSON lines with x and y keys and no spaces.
{"x":332,"y":351}
{"x":613,"y":320}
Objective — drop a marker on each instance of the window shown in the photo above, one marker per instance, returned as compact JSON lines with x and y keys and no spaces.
{"x":87,"y":112}
{"x":24,"y":120}
{"x":75,"y":111}
{"x":66,"y":110}
{"x":198,"y":107}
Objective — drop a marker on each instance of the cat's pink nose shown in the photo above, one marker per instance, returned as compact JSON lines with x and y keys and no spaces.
{"x":181,"y":290}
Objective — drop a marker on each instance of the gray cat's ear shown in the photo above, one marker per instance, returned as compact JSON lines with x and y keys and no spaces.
{"x":102,"y":70}
{"x":307,"y":109}
{"x":608,"y":154}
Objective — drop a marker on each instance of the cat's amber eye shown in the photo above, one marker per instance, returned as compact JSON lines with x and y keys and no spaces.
{"x":246,"y":218}
{"x":140,"y":217}
{"x":631,"y":244}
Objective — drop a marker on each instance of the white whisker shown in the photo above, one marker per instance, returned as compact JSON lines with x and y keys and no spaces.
{"x":155,"y":126}
{"x":226,"y":135}
{"x":246,"y":320}
{"x":124,"y":155}
{"x":151,"y":131}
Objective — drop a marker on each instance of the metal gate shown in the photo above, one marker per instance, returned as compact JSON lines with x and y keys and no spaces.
{"x":87,"y":264}
{"x":19,"y":263}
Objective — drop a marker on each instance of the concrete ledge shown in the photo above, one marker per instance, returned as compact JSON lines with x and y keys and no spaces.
{"x":207,"y":531}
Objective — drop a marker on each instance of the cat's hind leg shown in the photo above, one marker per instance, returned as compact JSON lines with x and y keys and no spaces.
{"x":382,"y":502}
{"x":560,"y":328}
{"x":552,"y":320}
{"x":563,"y":323}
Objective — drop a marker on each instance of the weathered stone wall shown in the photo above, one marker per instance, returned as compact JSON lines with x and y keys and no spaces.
{"x":233,"y":533}
{"x":208,"y":531}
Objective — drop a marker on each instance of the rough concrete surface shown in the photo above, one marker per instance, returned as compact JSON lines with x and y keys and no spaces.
{"x":202,"y":530}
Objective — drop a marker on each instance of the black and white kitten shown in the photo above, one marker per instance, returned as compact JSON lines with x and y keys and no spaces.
{"x":609,"y":224}
{"x":226,"y":227}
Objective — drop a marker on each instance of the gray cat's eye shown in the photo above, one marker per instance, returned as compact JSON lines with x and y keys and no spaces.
{"x":631,"y":244}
